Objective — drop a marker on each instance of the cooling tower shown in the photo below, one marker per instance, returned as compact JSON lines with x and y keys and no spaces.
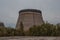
{"x":29,"y":17}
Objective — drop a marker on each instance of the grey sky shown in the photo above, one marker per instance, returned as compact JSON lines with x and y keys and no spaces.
{"x":9,"y":10}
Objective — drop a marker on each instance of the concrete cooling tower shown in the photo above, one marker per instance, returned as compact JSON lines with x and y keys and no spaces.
{"x":29,"y":17}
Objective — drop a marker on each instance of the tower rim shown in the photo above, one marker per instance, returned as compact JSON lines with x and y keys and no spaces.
{"x":30,"y":10}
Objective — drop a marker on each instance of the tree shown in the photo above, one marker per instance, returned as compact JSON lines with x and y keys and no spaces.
{"x":22,"y":29}
{"x":45,"y":29}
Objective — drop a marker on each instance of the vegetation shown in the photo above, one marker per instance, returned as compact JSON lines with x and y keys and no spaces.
{"x":45,"y":29}
{"x":22,"y":29}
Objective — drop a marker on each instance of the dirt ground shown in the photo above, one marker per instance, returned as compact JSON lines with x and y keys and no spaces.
{"x":29,"y":38}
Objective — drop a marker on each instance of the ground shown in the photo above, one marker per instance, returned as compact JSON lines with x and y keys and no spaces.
{"x":29,"y":38}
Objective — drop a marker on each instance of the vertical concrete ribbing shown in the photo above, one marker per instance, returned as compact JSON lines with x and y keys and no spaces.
{"x":29,"y":18}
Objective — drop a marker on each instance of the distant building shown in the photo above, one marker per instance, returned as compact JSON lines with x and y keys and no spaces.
{"x":2,"y":24}
{"x":29,"y":17}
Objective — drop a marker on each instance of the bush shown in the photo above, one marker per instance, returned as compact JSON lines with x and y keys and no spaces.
{"x":45,"y":29}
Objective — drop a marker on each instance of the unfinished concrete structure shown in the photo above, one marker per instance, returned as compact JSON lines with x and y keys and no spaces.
{"x":2,"y":24}
{"x":29,"y":17}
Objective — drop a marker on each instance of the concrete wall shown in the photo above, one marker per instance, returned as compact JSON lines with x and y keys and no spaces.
{"x":29,"y":19}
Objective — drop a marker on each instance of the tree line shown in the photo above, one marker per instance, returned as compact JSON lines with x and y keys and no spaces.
{"x":46,"y":29}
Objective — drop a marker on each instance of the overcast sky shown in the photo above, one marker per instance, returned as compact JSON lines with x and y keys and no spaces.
{"x":9,"y":10}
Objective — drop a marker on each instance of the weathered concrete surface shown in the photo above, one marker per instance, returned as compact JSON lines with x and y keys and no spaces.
{"x":29,"y":18}
{"x":29,"y":38}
